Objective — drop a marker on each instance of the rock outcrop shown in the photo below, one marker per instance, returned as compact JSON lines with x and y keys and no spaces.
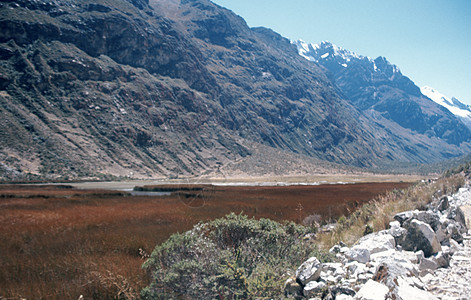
{"x":423,"y":255}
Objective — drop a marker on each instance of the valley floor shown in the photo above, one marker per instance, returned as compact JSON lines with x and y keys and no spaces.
{"x":256,"y":180}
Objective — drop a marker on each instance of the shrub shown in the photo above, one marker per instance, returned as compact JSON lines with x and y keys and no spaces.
{"x":234,"y":257}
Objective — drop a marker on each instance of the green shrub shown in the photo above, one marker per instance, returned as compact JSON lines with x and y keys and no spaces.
{"x":234,"y":257}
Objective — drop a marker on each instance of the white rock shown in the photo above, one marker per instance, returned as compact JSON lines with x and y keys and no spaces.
{"x":405,"y":291}
{"x":372,"y":290}
{"x":413,"y":257}
{"x":466,"y":209}
{"x":376,"y":242}
{"x":404,"y":216}
{"x":454,"y":247}
{"x":427,"y":264}
{"x":312,"y":288}
{"x":331,"y":267}
{"x":396,"y":230}
{"x":361,"y":255}
{"x":343,"y":297}
{"x":310,"y":270}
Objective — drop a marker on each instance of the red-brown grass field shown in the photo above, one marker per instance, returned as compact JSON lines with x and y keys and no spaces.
{"x":59,"y":242}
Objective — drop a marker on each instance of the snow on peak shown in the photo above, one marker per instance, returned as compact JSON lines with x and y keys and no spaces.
{"x":324,"y":49}
{"x":328,"y":51}
{"x":453,"y":105}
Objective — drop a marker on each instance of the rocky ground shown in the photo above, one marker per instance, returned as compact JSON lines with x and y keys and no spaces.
{"x":423,"y":255}
{"x":453,"y":282}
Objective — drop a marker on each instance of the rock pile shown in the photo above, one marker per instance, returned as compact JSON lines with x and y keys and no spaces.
{"x":410,"y":260}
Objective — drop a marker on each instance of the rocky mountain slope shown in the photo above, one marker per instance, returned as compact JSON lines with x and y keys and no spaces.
{"x":382,"y":92}
{"x":169,"y":88}
{"x":455,"y":106}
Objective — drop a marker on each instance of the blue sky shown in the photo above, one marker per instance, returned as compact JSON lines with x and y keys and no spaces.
{"x":430,"y":41}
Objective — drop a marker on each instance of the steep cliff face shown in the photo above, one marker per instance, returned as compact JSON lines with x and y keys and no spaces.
{"x":166,"y":88}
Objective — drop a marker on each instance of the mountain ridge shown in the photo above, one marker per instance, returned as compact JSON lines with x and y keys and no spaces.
{"x":378,"y":86}
{"x":173,"y":88}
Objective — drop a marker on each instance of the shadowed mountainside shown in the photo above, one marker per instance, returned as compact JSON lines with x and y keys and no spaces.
{"x":167,"y":88}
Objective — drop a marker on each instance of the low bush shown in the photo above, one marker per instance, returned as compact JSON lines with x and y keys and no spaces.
{"x":234,"y":257}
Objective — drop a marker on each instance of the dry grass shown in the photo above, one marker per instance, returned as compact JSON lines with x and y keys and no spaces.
{"x":60,"y":243}
{"x":378,"y":213}
{"x":81,"y":243}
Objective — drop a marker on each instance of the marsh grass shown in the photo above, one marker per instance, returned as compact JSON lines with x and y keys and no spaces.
{"x":77,"y":243}
{"x":60,"y":243}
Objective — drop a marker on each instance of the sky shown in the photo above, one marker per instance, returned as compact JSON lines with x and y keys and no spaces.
{"x":429,"y":40}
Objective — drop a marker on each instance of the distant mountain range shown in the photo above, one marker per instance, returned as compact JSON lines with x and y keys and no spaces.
{"x":186,"y":88}
{"x":381,"y":91}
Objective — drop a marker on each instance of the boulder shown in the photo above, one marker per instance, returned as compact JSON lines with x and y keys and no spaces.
{"x":420,"y":236}
{"x":377,"y":242}
{"x":456,"y":213}
{"x":361,"y":255}
{"x":341,"y":290}
{"x":397,"y":231}
{"x":427,"y":264}
{"x":392,"y":267}
{"x":442,"y":235}
{"x":313,"y":288}
{"x":454,"y":232}
{"x":406,"y":290}
{"x":442,"y":259}
{"x":454,"y":247}
{"x":402,"y":217}
{"x":444,"y":204}
{"x":428,"y":217}
{"x":466,"y":209}
{"x":310,"y":270}
{"x":372,"y":290}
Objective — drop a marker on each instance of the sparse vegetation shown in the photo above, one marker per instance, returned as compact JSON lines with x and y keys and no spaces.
{"x":376,"y":215}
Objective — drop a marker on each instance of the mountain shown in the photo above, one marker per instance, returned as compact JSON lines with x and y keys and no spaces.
{"x":454,"y":105}
{"x":176,"y":87}
{"x":379,"y":89}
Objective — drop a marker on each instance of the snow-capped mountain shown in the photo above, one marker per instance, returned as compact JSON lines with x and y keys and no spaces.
{"x":337,"y":58}
{"x":379,"y":89}
{"x":455,"y":106}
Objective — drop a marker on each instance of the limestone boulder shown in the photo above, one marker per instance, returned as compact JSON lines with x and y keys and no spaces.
{"x":310,"y":270}
{"x":313,"y":288}
{"x":420,"y":236}
{"x":361,"y":255}
{"x":377,"y":242}
{"x":372,"y":290}
{"x":404,"y":216}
